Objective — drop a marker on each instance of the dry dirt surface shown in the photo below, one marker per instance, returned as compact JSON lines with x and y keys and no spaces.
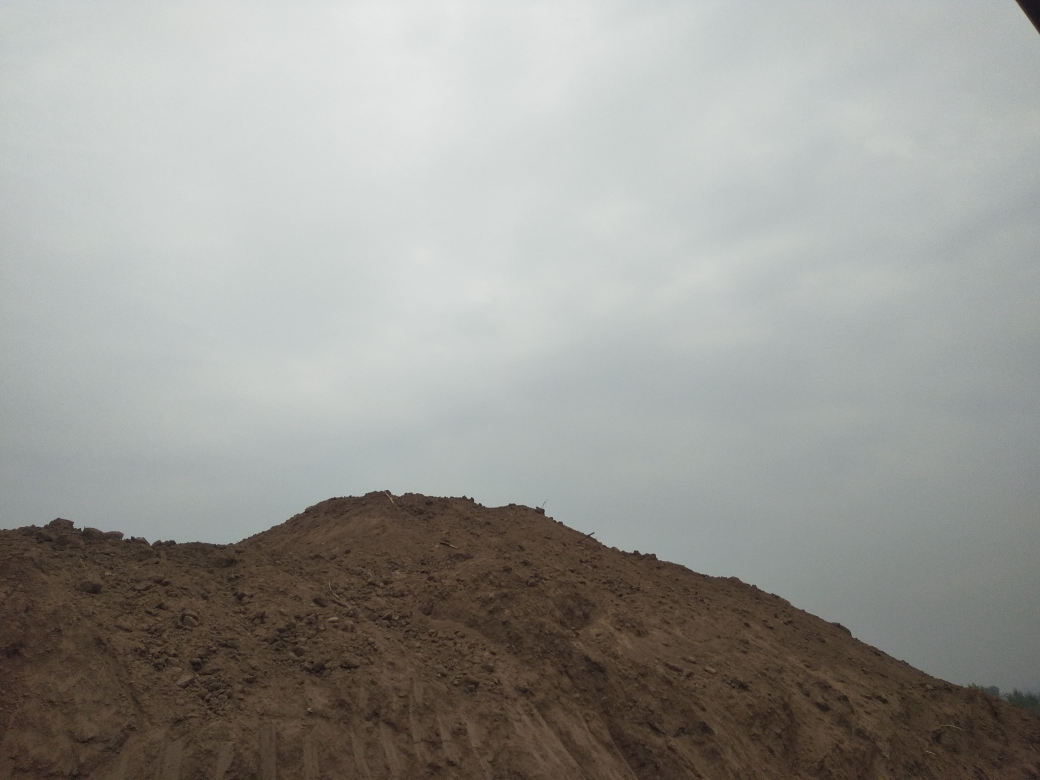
{"x":416,"y":637}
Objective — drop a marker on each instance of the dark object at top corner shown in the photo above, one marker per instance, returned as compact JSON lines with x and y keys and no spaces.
{"x":1031,"y":8}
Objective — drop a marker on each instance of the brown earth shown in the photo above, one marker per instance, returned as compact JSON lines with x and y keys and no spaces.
{"x":416,"y":637}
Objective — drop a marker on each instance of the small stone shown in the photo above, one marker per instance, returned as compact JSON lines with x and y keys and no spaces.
{"x":185,"y":680}
{"x":349,"y":662}
{"x":90,"y":586}
{"x":321,"y":601}
{"x":190,"y":620}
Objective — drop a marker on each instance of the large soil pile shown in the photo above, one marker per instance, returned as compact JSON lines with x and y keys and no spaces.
{"x":415,"y":637}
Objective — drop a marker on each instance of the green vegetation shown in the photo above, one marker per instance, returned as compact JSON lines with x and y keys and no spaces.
{"x":1029,"y":701}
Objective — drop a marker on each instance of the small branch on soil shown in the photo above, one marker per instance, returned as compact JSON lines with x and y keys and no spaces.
{"x":335,"y":596}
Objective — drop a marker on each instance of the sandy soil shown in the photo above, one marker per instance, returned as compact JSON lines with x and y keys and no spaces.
{"x":416,"y":637}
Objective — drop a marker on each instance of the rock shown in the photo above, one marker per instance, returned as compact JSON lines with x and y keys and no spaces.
{"x":112,"y":536}
{"x":185,"y":680}
{"x":92,"y":534}
{"x":349,"y":662}
{"x":190,"y":620}
{"x":90,"y":586}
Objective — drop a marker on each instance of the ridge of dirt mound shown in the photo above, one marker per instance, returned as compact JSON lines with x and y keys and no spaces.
{"x":415,"y":637}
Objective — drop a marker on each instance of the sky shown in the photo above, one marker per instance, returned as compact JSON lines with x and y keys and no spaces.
{"x":750,"y":285}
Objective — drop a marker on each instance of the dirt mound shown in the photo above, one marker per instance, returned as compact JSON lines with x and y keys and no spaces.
{"x":412,"y":637}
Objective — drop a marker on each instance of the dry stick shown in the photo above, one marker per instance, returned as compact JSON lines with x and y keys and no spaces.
{"x":387,"y":493}
{"x":449,"y":544}
{"x":335,"y":596}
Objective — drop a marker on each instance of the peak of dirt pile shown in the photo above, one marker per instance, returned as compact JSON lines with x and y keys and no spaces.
{"x":415,"y":637}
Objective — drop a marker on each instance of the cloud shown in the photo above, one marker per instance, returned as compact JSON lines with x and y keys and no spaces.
{"x":753,"y":286}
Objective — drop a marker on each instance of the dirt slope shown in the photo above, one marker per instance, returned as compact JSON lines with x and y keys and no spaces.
{"x":415,"y":637}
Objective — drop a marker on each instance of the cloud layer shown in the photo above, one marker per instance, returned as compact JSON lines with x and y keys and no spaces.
{"x":753,"y":286}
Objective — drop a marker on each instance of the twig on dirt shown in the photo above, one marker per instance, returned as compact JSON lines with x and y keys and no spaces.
{"x":335,"y":596}
{"x":387,"y":492}
{"x":950,"y":726}
{"x":591,"y":534}
{"x":929,"y":752}
{"x":448,"y":544}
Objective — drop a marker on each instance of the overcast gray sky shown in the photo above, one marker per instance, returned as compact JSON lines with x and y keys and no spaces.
{"x":754,"y":286}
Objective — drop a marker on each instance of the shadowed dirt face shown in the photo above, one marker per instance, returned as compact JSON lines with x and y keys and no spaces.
{"x":408,"y":637}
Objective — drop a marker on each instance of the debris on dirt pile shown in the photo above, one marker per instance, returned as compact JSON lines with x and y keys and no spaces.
{"x":415,"y":637}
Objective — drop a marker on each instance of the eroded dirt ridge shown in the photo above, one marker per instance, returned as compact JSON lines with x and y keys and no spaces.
{"x":415,"y":637}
